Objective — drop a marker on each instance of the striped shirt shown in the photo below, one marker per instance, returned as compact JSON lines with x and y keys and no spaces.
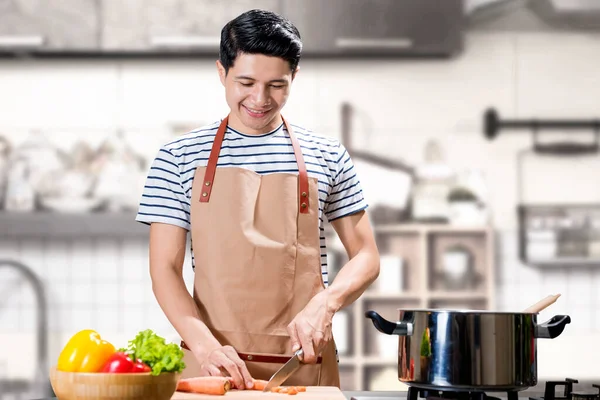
{"x":167,"y":192}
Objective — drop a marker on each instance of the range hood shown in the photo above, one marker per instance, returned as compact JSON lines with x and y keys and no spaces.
{"x":533,"y":15}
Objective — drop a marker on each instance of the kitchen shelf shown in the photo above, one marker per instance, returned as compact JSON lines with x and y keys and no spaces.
{"x":372,"y":295}
{"x":421,"y":247}
{"x":24,"y":225}
{"x":457,"y":295}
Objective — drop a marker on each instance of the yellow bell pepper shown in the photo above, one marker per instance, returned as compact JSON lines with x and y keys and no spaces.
{"x":85,"y":352}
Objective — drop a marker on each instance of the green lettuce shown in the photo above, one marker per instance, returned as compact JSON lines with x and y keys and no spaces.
{"x":155,"y":352}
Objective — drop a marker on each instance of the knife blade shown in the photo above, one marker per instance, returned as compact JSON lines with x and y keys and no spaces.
{"x":285,"y":372}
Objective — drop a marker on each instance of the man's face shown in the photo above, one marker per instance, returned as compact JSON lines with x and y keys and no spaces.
{"x":256,"y":89}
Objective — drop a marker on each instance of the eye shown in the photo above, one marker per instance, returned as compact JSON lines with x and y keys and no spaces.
{"x":277,"y":86}
{"x":245,"y":84}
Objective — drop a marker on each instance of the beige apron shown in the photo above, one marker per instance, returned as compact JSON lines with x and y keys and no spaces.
{"x":257,"y":263}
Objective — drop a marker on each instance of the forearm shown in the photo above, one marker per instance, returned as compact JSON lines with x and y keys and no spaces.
{"x":181,"y":310}
{"x":353,"y":279}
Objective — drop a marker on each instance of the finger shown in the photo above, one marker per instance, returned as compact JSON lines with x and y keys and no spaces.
{"x":213,"y":370}
{"x":318,"y":342}
{"x":291,"y":328}
{"x":243,"y":369}
{"x":224,"y":361}
{"x":306,"y":342}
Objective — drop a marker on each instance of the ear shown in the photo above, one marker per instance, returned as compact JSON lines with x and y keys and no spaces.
{"x":295,"y":72}
{"x":222,"y":73}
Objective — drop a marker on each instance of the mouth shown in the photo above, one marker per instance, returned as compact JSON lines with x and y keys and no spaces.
{"x":254,"y":113}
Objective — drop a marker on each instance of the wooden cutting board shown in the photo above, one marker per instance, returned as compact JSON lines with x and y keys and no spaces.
{"x":312,"y":393}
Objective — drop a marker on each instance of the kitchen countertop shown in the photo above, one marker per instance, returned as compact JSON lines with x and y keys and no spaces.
{"x":383,"y":395}
{"x":536,"y":392}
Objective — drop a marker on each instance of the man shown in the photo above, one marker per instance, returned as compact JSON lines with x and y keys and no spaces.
{"x":253,"y":191}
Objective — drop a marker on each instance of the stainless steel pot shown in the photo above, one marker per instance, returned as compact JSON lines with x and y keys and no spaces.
{"x":468,"y":350}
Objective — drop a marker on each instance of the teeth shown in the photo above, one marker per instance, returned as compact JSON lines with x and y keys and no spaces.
{"x":255,"y":112}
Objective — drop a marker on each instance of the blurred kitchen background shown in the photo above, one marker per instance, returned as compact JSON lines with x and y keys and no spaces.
{"x":457,"y":114}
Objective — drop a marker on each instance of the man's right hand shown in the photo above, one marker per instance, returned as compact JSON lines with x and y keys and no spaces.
{"x":224,"y":361}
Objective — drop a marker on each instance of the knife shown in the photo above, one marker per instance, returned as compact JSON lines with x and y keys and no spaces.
{"x":285,"y":372}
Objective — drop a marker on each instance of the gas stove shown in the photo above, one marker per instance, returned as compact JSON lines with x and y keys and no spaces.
{"x":552,"y":392}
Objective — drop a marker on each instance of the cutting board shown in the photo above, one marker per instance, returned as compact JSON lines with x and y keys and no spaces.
{"x":312,"y":393}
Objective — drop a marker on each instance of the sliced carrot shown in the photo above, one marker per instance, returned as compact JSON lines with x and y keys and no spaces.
{"x":259,"y":384}
{"x":301,"y":388}
{"x":292,"y":390}
{"x":205,"y":385}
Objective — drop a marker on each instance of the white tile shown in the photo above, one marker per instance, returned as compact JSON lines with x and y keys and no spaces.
{"x":108,"y":264}
{"x":32,"y":255}
{"x":82,"y":318}
{"x":579,"y":286}
{"x":60,"y":320}
{"x":133,"y":293}
{"x":188,"y":91}
{"x":508,"y":271}
{"x":107,"y":294}
{"x":57,"y":260}
{"x":596,"y":320}
{"x":28,"y":319}
{"x":9,"y":320}
{"x":538,"y":67}
{"x":528,"y":294}
{"x":60,"y":294}
{"x":528,"y":275}
{"x":392,"y":92}
{"x":82,"y":294}
{"x":63,"y":94}
{"x":26,"y":294}
{"x":133,"y":256}
{"x":581,"y":320}
{"x":81,"y":260}
{"x":106,"y":319}
{"x":133,"y":320}
{"x":555,"y":282}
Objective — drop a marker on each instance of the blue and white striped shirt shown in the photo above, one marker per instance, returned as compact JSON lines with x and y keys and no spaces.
{"x":167,"y":192}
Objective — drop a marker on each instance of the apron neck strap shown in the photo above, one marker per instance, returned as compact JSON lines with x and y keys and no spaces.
{"x":209,"y":175}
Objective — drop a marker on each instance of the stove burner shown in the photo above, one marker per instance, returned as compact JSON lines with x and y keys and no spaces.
{"x":414,"y":394}
{"x":568,"y":394}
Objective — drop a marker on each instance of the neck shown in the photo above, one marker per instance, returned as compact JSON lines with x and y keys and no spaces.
{"x":236,"y":124}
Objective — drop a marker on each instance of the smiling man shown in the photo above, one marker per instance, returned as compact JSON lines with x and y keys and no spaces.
{"x":253,"y":190}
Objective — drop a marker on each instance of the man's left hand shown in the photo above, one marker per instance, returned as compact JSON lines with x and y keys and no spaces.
{"x":311,"y":328}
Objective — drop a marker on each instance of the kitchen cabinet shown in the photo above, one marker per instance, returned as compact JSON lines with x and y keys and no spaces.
{"x":48,"y":25}
{"x":377,"y":27}
{"x":170,"y":25}
{"x":428,"y":255}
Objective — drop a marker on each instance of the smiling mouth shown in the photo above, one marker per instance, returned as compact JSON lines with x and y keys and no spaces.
{"x":256,"y":113}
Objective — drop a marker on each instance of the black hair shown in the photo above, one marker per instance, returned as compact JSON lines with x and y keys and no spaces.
{"x":260,"y":32}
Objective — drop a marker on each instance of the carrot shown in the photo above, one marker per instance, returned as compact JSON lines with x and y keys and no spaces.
{"x":292,"y":390}
{"x":259,"y":384}
{"x":205,"y":384}
{"x":301,"y":388}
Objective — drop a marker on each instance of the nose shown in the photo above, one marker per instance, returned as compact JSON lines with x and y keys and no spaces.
{"x":261,"y":95}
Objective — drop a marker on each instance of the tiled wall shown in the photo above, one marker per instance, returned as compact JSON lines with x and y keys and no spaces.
{"x":101,"y":284}
{"x":400,"y":105}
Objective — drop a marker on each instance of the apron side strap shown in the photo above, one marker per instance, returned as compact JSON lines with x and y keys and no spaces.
{"x":211,"y":167}
{"x":303,"y":197}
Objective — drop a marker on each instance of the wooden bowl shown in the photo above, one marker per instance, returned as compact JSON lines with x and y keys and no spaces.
{"x":105,"y":386}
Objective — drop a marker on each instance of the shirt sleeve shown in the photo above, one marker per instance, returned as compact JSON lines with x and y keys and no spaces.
{"x":346,"y":195}
{"x":163,"y":199}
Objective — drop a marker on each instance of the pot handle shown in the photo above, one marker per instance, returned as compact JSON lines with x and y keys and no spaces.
{"x":390,"y":328}
{"x":552,"y":328}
